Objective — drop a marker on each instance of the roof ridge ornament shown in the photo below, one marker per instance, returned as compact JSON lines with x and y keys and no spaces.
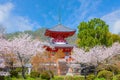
{"x":59,"y":16}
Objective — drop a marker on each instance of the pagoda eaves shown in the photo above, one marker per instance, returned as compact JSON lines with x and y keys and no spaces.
{"x":59,"y":30}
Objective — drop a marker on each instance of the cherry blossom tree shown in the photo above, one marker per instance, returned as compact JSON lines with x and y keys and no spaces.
{"x":96,"y":54}
{"x":5,"y":53}
{"x":23,"y":46}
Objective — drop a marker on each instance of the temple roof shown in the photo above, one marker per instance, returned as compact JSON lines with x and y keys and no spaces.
{"x":61,"y":28}
{"x":59,"y":31}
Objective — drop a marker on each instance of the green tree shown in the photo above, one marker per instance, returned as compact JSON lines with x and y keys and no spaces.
{"x":116,"y":37}
{"x":94,"y":32}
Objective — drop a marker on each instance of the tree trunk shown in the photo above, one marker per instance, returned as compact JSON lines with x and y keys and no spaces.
{"x":23,"y":72}
{"x":85,"y":77}
{"x":23,"y":68}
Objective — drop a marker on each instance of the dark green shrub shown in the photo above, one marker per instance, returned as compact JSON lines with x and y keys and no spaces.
{"x":78,"y":77}
{"x":2,"y":78}
{"x":113,"y":68}
{"x":45,"y":75}
{"x":105,"y":74}
{"x":7,"y":78}
{"x":51,"y":74}
{"x":91,"y":77}
{"x":14,"y":73}
{"x":19,"y":69}
{"x":34,"y":74}
{"x":117,"y":77}
{"x":68,"y":78}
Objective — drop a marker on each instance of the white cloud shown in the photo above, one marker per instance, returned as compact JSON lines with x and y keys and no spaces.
{"x":5,"y":10}
{"x":83,"y":12}
{"x":14,"y":23}
{"x":113,"y":19}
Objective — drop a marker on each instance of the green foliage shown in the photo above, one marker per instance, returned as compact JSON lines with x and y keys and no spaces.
{"x":117,"y":77}
{"x":2,"y":78}
{"x":94,"y":32}
{"x":7,"y":78}
{"x":46,"y":75}
{"x":34,"y":74}
{"x":19,"y":69}
{"x":51,"y":74}
{"x":108,"y":75}
{"x":91,"y":77}
{"x":39,"y":34}
{"x":14,"y":73}
{"x":113,"y":68}
{"x":100,"y":79}
{"x":68,"y":78}
{"x":11,"y":35}
{"x":58,"y":78}
{"x":116,"y":38}
{"x":78,"y":77}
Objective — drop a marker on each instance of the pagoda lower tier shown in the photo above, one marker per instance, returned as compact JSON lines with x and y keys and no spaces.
{"x":66,"y":48}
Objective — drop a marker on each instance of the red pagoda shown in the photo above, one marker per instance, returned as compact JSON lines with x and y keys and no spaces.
{"x":58,"y":35}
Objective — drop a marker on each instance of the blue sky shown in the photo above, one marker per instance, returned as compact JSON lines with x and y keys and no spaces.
{"x":20,"y":15}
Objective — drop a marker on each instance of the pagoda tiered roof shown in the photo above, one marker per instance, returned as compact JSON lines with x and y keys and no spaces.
{"x":59,"y":30}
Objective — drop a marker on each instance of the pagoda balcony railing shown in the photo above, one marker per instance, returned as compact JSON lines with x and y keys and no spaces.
{"x":59,"y":42}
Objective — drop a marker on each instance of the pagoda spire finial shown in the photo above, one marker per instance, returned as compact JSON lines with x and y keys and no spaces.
{"x":59,"y":16}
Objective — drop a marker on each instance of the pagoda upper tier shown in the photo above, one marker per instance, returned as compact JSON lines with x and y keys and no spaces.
{"x":59,"y":31}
